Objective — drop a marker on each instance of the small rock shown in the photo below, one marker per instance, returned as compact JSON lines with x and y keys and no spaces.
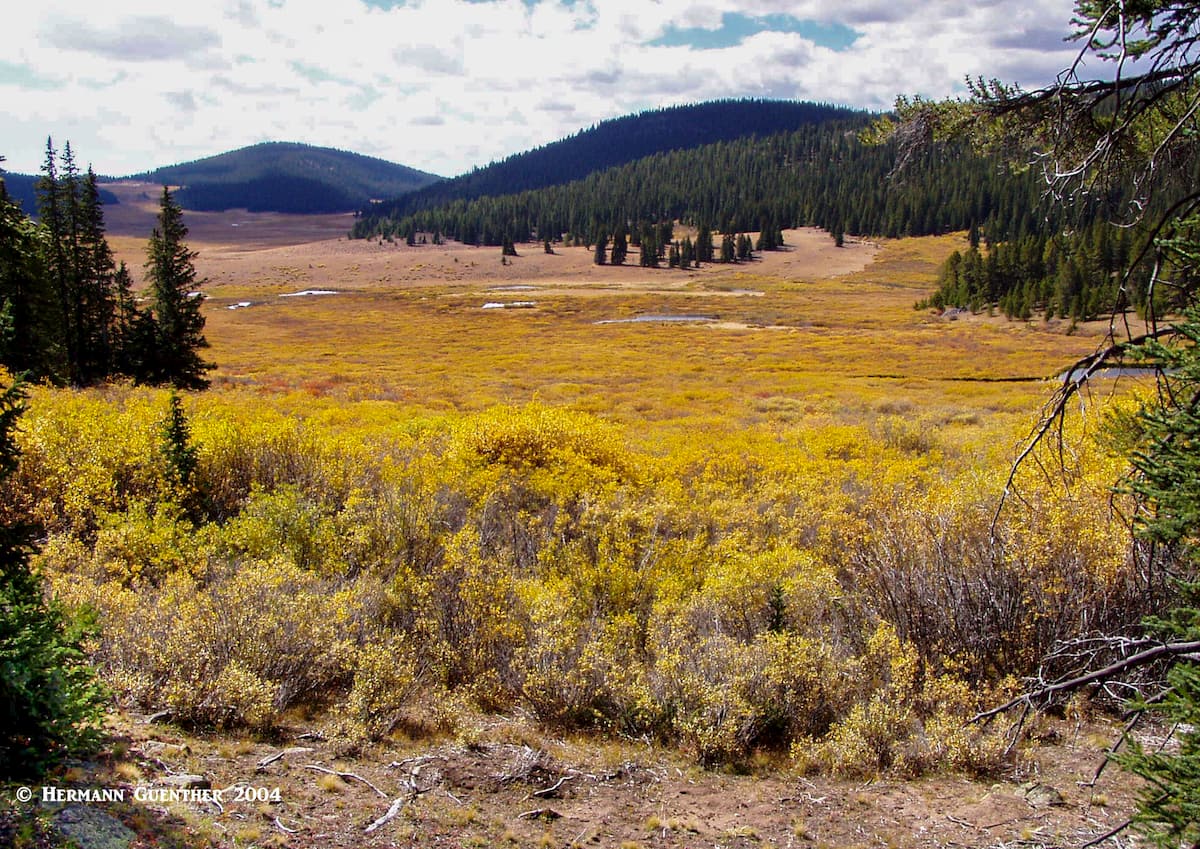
{"x":186,"y":782}
{"x":1044,"y":796}
{"x":92,"y":828}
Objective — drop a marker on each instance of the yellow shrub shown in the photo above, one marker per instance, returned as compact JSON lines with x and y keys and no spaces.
{"x":386,"y":675}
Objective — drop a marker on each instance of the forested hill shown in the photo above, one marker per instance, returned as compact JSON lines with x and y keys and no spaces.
{"x":619,"y":141}
{"x":820,"y":174}
{"x":287,"y":177}
{"x":22,"y":188}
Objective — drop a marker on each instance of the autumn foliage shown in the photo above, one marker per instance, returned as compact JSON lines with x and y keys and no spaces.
{"x":829,"y":590}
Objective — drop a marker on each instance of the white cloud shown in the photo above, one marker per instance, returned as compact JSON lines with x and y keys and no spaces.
{"x":446,"y":84}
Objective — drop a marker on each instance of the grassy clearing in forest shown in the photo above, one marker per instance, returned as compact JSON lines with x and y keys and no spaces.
{"x":767,"y":532}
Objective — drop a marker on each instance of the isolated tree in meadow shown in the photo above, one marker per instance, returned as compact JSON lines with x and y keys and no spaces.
{"x":649,"y":250}
{"x":600,"y":256}
{"x":744,"y":247}
{"x":1136,"y":129}
{"x":177,"y":320}
{"x":687,"y":253}
{"x":704,"y":245}
{"x":620,"y":247}
{"x":727,"y":250}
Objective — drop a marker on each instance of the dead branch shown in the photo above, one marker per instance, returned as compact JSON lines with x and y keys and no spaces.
{"x":1163,"y":650}
{"x":282,"y":753}
{"x":1074,"y":378}
{"x":345,"y":776}
{"x":396,"y":806}
{"x":1112,"y":832}
{"x":540,"y":813}
{"x":549,"y":791}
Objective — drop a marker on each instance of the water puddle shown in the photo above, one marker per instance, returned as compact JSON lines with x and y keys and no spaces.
{"x":308,"y":292}
{"x":656,"y":319}
{"x":511,"y":305}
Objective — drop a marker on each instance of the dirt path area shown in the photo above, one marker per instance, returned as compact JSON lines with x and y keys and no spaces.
{"x":506,"y":784}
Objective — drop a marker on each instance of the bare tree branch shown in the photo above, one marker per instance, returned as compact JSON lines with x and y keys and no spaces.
{"x":1159,"y":652}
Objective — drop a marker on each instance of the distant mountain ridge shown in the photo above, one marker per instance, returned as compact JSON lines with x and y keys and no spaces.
{"x":287,"y":177}
{"x":619,"y":141}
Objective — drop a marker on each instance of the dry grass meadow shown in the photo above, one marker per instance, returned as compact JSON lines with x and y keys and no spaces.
{"x":567,"y":555}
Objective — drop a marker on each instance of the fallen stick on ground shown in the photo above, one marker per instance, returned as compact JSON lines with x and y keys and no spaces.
{"x":345,"y":775}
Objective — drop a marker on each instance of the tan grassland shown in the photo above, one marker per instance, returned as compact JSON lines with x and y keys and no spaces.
{"x":813,"y":339}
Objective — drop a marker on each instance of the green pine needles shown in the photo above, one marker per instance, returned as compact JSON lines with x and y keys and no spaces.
{"x":1166,"y":482}
{"x":51,"y":703}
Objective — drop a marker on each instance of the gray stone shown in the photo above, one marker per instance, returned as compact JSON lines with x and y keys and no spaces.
{"x":186,"y":782}
{"x":92,"y":828}
{"x":1044,"y":796}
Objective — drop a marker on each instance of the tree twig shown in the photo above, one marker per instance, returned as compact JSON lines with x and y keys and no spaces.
{"x":395,"y":808}
{"x":1113,"y":669}
{"x":345,"y":776}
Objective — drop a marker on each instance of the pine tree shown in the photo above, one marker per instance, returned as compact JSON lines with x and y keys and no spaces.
{"x":178,"y":323}
{"x":50,"y":702}
{"x":727,"y":251}
{"x":53,"y":219}
{"x":27,"y":302}
{"x":133,"y":331}
{"x":94,"y":296}
{"x":744,"y":247}
{"x":649,"y":250}
{"x":704,"y":245}
{"x":620,"y":248}
{"x":600,"y":257}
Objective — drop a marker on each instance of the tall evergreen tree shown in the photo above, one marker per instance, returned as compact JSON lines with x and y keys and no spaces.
{"x":54,"y":220}
{"x":704,"y":245}
{"x":50,"y":702}
{"x":94,"y":298}
{"x":727,"y":251}
{"x":30,"y":341}
{"x":178,"y":322}
{"x":687,"y":253}
{"x":649,"y":250}
{"x":620,"y":248}
{"x":600,"y":257}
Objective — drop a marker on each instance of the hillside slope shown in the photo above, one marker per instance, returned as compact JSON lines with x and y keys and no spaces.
{"x":287,"y":177}
{"x":619,"y":141}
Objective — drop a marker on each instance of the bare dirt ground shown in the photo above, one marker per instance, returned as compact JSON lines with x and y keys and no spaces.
{"x":503,"y":783}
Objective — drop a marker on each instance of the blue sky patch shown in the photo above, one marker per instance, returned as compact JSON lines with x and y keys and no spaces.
{"x":25,"y":77}
{"x":319,"y":75}
{"x":737,"y":27}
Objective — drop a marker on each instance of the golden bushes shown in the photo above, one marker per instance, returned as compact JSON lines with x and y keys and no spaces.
{"x":828,"y":588}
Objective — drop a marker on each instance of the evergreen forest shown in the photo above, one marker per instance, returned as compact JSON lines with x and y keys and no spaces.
{"x":70,"y":314}
{"x":1026,"y":256}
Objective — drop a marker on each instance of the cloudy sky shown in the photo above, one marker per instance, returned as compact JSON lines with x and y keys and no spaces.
{"x":444,"y":85}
